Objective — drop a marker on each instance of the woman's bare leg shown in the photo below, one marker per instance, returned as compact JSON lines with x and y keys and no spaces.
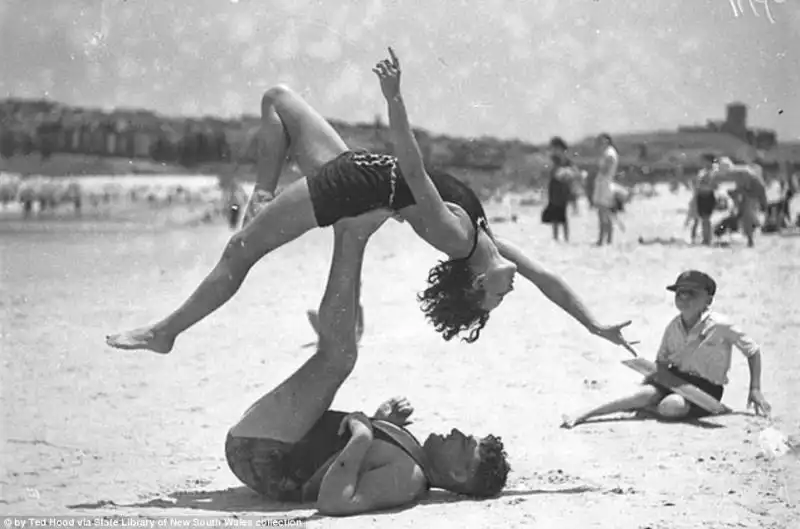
{"x":289,"y":125}
{"x":313,"y":143}
{"x":609,"y":225}
{"x":705,"y":223}
{"x":283,"y":220}
{"x":602,"y":215}
{"x":646,"y":396}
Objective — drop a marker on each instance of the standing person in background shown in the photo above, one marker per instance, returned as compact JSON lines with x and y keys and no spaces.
{"x":750,"y":194}
{"x":559,"y":188}
{"x":578,"y":186}
{"x":603,"y":193}
{"x":234,"y":198}
{"x":789,"y":185}
{"x":704,"y":199}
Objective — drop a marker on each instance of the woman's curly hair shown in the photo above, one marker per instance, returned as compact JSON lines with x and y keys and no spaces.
{"x":451,"y":303}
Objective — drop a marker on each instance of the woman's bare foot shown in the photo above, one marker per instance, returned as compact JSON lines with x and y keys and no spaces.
{"x":258,"y":200}
{"x":144,"y":338}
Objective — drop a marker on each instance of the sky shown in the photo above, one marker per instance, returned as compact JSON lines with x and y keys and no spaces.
{"x":525,"y":69}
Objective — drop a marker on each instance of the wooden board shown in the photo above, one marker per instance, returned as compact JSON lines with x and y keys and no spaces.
{"x":686,"y":390}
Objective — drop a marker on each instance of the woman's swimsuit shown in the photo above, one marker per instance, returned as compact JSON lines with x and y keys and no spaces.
{"x":279,"y":470}
{"x":356,"y":182}
{"x":706,"y":203}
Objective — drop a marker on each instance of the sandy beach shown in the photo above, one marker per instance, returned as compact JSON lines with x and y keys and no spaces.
{"x":92,"y":431}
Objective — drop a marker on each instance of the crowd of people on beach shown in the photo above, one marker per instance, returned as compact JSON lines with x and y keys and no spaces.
{"x":567,"y":183}
{"x":42,"y":196}
{"x":743,"y":205}
{"x":289,"y":445}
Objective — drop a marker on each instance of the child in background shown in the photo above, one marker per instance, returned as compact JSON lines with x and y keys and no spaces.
{"x":696,"y":347}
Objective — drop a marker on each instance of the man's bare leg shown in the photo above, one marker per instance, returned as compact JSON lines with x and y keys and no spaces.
{"x":289,"y":411}
{"x":313,"y":318}
{"x":313,"y":143}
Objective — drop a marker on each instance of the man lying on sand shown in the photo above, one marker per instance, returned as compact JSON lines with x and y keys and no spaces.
{"x":290,"y":447}
{"x":696,"y":347}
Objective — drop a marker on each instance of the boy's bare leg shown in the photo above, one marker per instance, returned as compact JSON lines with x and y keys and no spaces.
{"x":290,"y":410}
{"x":646,"y":396}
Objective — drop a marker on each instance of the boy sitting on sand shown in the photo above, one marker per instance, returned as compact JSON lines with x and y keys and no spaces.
{"x":696,"y":347}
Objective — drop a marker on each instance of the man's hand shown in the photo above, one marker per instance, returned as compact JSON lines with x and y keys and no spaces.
{"x":760,"y":405}
{"x":356,"y":422}
{"x":363,"y":226}
{"x":396,"y":410}
{"x":613,"y":333}
{"x":388,"y":72}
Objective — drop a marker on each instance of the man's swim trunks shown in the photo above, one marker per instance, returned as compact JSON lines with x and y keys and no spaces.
{"x":278,"y":470}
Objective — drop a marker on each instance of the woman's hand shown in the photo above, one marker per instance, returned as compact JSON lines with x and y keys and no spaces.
{"x":613,"y":333}
{"x":388,"y":72}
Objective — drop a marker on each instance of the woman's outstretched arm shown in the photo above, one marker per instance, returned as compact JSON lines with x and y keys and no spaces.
{"x":444,"y":227}
{"x":557,"y":291}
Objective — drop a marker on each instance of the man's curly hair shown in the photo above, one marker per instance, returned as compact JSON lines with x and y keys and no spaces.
{"x":492,"y":471}
{"x":451,"y":303}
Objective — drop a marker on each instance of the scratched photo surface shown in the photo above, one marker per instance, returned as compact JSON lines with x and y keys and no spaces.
{"x":93,"y":431}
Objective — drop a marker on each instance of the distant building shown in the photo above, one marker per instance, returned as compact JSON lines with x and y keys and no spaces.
{"x":735,"y":124}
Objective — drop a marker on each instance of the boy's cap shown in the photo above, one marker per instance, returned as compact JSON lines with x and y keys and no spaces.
{"x":695,"y":280}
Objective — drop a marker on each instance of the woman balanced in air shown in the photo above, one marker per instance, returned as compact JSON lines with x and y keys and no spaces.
{"x":339,"y":183}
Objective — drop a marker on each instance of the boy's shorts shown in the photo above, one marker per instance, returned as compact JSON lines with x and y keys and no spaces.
{"x":709,"y":387}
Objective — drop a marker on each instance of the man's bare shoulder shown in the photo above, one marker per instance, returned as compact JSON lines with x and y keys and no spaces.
{"x":406,"y":470}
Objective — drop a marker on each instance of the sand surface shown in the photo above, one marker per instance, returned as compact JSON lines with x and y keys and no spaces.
{"x":89,"y":430}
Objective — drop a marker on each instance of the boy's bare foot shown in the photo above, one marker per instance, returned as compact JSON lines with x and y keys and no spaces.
{"x":144,"y":338}
{"x":568,"y":423}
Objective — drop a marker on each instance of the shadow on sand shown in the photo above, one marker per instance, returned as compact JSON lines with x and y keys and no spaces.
{"x":643,"y":415}
{"x":243,"y":500}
